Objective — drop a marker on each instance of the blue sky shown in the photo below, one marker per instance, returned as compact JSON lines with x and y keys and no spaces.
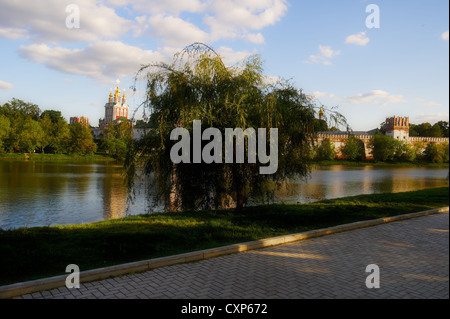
{"x":323,"y":46}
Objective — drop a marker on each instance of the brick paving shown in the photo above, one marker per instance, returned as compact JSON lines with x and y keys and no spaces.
{"x":412,"y":255}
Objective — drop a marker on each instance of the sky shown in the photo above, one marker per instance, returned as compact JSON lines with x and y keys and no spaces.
{"x":369,"y":59}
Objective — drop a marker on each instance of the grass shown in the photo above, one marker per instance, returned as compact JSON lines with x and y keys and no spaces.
{"x":55,"y":157}
{"x":36,"y":252}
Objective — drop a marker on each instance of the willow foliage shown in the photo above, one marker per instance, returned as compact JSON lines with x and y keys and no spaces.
{"x":199,"y":86}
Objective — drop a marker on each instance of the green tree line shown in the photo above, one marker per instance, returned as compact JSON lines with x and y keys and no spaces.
{"x":25,"y":129}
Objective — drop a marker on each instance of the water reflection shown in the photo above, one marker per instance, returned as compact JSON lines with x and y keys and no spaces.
{"x":339,"y":181}
{"x":50,"y":193}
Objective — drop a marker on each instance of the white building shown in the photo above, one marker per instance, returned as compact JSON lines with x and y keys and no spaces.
{"x":116,"y":107}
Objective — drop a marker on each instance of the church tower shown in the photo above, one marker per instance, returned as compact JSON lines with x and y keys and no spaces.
{"x":116,"y":107}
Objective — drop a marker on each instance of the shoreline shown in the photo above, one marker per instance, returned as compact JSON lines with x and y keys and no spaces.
{"x":104,"y":157}
{"x":54,"y":157}
{"x":50,"y":249}
{"x":380,"y":164}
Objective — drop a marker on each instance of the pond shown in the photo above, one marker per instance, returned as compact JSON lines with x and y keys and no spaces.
{"x":36,"y":193}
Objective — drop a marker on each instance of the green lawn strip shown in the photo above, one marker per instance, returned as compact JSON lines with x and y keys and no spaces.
{"x":36,"y":252}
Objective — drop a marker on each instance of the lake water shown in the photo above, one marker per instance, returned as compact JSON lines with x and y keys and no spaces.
{"x":60,"y":193}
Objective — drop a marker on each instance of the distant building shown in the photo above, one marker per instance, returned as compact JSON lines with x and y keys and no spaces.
{"x":321,"y":113}
{"x":116,"y":111}
{"x":83,"y":120}
{"x":398,"y":128}
{"x":116,"y":108}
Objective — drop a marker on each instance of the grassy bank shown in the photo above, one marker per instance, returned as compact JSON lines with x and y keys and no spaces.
{"x":381,"y":164}
{"x":31,"y":253}
{"x":55,"y":157}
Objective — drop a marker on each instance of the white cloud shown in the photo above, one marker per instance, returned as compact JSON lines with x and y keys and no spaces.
{"x":6,"y":85}
{"x":256,"y":38}
{"x":430,"y":104}
{"x":271,"y":79}
{"x":101,"y":52}
{"x":229,"y":56}
{"x":161,"y":6}
{"x":221,"y":19}
{"x":175,"y":31}
{"x":326,"y":53}
{"x":444,"y":36}
{"x":235,"y":19}
{"x":319,"y":95}
{"x":13,"y":33}
{"x":358,"y":39}
{"x":379,"y":97}
{"x":430,"y":118}
{"x":45,"y":21}
{"x":101,"y":60}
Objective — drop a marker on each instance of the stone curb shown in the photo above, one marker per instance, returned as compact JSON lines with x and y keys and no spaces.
{"x":29,"y":287}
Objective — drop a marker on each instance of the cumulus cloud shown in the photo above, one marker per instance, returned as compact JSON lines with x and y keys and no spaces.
{"x":161,"y":6}
{"x":221,"y":19}
{"x":360,"y":39}
{"x":430,"y":104}
{"x":13,"y":33}
{"x":99,"y":49}
{"x":379,"y":97}
{"x":6,"y":85}
{"x":229,"y":56}
{"x":430,"y":118}
{"x":319,"y":95}
{"x":175,"y":31}
{"x":326,"y":53}
{"x":35,"y":19}
{"x":245,"y":14}
{"x":101,"y":60}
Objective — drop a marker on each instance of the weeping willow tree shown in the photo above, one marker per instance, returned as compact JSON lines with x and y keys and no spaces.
{"x":199,"y":86}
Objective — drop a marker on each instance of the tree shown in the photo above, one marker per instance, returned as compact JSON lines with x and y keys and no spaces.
{"x":56,"y":131}
{"x":31,"y":135}
{"x":435,"y":131}
{"x":320,"y":125}
{"x":116,"y":138}
{"x":445,"y":146}
{"x":444,"y":128}
{"x":436,"y":153}
{"x":81,"y":140}
{"x":402,"y":152}
{"x":54,"y":116}
{"x":5,"y":127}
{"x":382,"y":129}
{"x":47,"y":128}
{"x":418,"y":147}
{"x":439,"y":129}
{"x":325,"y":151}
{"x":18,"y":112}
{"x":354,"y":149}
{"x":382,"y":147}
{"x":199,"y":86}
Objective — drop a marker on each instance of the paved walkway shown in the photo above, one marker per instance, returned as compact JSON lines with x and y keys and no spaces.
{"x":412,"y":255}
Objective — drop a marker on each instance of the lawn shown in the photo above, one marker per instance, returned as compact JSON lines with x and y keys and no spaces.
{"x":36,"y":252}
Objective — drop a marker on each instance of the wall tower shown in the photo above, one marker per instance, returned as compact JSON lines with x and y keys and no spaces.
{"x":398,"y":128}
